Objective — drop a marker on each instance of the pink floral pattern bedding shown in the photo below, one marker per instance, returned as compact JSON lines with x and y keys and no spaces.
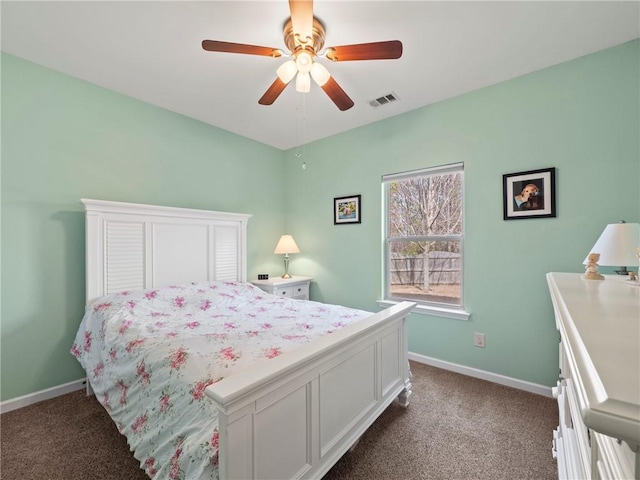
{"x":149,"y":355}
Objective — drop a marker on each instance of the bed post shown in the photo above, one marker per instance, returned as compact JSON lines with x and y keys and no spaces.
{"x":403,"y":398}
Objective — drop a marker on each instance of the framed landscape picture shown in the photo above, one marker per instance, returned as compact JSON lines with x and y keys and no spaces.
{"x":529,"y":194}
{"x":347,"y":210}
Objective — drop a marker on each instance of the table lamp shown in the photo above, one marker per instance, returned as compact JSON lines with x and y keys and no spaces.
{"x":285,"y":246}
{"x":617,"y":246}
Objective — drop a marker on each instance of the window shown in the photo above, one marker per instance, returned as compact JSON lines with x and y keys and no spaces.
{"x":424,"y":237}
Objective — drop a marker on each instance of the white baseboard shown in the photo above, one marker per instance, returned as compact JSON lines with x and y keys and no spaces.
{"x":36,"y":397}
{"x":484,"y":375}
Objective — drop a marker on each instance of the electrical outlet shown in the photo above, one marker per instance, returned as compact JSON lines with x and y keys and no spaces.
{"x":478,"y":339}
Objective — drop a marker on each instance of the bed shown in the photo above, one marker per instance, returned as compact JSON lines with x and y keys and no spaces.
{"x":286,"y":410}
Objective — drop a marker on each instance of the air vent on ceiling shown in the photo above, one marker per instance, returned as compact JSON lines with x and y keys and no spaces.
{"x":384,"y":100}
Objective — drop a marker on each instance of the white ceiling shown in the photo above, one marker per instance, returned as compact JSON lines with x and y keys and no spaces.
{"x":151,"y":50}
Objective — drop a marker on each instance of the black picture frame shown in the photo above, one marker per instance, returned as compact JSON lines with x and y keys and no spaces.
{"x":530,"y":194}
{"x":347,"y":210}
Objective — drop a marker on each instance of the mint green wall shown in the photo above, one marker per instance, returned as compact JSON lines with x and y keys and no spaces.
{"x":581,"y":117}
{"x":64,"y":139}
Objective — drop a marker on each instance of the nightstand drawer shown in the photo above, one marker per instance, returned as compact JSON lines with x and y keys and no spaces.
{"x":301,"y":291}
{"x":294,"y":287}
{"x":283,"y":291}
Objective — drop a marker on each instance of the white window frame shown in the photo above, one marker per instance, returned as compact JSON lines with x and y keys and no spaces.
{"x":424,"y":307}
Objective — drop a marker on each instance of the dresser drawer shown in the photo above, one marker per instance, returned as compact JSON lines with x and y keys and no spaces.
{"x":583,"y":447}
{"x":614,"y":460}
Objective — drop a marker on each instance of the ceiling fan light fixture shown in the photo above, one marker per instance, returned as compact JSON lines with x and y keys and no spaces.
{"x":319,"y":73}
{"x":303,"y":82}
{"x":304,"y":61}
{"x":304,"y":36}
{"x":287,"y":71}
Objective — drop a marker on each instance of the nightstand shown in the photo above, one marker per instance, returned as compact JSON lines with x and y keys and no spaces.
{"x":294,"y":287}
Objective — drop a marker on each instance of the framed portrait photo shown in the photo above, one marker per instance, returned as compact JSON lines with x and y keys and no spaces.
{"x":347,"y":210}
{"x":529,"y":194}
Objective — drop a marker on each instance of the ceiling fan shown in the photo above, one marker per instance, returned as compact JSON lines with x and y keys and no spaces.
{"x":304,"y":36}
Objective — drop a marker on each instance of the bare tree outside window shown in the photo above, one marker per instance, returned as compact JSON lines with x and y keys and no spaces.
{"x":424,"y":235}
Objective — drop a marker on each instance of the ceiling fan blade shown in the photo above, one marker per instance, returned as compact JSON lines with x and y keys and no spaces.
{"x":366,"y":51}
{"x":337,"y":94}
{"x":273,"y":92}
{"x":302,"y":20}
{"x":228,"y":47}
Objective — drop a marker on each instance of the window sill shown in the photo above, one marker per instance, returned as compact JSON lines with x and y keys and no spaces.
{"x":453,"y":313}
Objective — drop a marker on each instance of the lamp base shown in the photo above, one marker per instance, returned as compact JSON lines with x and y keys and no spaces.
{"x":286,"y":266}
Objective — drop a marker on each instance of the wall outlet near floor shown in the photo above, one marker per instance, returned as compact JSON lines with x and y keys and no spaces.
{"x":478,"y":339}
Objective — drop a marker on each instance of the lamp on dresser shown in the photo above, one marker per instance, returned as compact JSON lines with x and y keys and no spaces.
{"x":285,"y":246}
{"x":617,"y":246}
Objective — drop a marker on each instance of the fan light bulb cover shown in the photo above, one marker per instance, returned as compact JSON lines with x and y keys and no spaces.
{"x":320,"y":74}
{"x":287,"y":71}
{"x":303,"y":82}
{"x":304,"y":62}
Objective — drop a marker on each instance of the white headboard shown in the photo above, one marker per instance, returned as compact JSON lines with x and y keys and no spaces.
{"x":132,"y":246}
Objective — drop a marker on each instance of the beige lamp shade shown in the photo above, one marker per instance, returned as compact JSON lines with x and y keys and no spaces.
{"x":286,"y":245}
{"x":617,"y":245}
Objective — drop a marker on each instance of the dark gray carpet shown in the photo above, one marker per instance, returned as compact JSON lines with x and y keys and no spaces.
{"x":456,"y":427}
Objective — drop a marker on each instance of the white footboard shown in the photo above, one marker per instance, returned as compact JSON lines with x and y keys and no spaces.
{"x":294,"y":416}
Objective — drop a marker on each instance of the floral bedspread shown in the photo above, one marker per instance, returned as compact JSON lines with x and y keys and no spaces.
{"x":149,"y":355}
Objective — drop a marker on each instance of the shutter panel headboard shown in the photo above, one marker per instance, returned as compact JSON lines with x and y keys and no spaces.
{"x":133,"y":246}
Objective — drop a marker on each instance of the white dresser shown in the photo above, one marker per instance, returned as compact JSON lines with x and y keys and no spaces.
{"x":294,"y":287}
{"x":598,"y":390}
